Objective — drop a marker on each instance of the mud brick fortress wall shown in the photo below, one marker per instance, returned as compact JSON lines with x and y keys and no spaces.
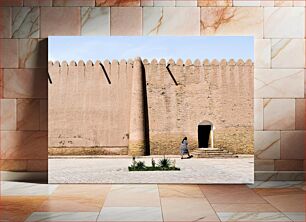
{"x":90,"y":108}
{"x":279,"y":67}
{"x":220,"y":92}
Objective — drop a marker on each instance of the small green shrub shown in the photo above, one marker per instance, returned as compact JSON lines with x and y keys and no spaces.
{"x":140,"y":165}
{"x":164,"y":162}
{"x":137,"y":165}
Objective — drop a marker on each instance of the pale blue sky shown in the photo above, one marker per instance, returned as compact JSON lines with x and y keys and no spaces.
{"x":125,"y":47}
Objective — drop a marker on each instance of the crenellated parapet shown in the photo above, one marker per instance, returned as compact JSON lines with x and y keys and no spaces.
{"x":162,"y":61}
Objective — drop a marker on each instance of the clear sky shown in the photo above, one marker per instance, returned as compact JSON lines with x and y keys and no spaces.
{"x":128,"y":47}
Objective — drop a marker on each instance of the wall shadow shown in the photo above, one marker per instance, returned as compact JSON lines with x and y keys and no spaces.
{"x":38,"y":139}
{"x":146,"y":111}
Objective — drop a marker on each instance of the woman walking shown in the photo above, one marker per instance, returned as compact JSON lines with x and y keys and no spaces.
{"x":184,"y":148}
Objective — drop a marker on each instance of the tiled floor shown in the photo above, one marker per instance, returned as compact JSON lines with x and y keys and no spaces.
{"x":270,"y":201}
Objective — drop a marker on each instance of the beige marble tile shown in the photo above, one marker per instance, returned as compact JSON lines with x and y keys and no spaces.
{"x":267,"y":144}
{"x":5,"y":3}
{"x":262,"y":53}
{"x":278,"y":22}
{"x":182,"y":191}
{"x":130,"y":214}
{"x":296,"y":216}
{"x":288,"y":53}
{"x":253,"y":216}
{"x":206,"y":3}
{"x":263,"y":207}
{"x":27,"y":188}
{"x":33,"y":53}
{"x":8,"y":114}
{"x":300,"y":114}
{"x":279,"y":3}
{"x":279,"y":176}
{"x":267,"y":3}
{"x":92,"y":191}
{"x":278,"y":191}
{"x":51,"y":17}
{"x":232,"y":21}
{"x":18,"y":208}
{"x":23,"y":144}
{"x":126,"y":21}
{"x":276,"y":184}
{"x":73,"y":2}
{"x":37,"y":2}
{"x":258,"y":114}
{"x":263,"y":165}
{"x":95,"y":21}
{"x":187,"y":209}
{"x":125,"y":3}
{"x":246,"y":3}
{"x":37,"y":165}
{"x":28,"y":114}
{"x":43,"y":114}
{"x":160,"y":21}
{"x":25,"y":22}
{"x":146,"y":2}
{"x":5,"y":22}
{"x":186,"y":3}
{"x":8,"y":53}
{"x":25,"y":83}
{"x":299,"y":3}
{"x":279,"y":83}
{"x":163,"y":3}
{"x":133,"y":195}
{"x":230,"y":194}
{"x":289,"y":165}
{"x":279,"y":114}
{"x":285,"y":199}
{"x":63,"y":216}
{"x":292,"y":144}
{"x":71,"y":204}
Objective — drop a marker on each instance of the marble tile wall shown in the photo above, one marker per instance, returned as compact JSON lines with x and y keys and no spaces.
{"x":25,"y":22}
{"x":5,"y":22}
{"x":37,"y":2}
{"x":51,"y":17}
{"x":28,"y":114}
{"x":126,"y":21}
{"x":95,"y":21}
{"x":277,"y":25}
{"x":159,"y":21}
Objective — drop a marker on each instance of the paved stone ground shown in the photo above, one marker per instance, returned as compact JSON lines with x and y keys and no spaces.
{"x":115,"y":170}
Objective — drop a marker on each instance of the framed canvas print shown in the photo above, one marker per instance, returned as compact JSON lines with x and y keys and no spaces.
{"x":151,"y":109}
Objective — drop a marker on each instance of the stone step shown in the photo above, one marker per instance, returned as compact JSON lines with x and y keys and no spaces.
{"x":227,"y":153}
{"x":216,"y":156}
{"x":213,"y":153}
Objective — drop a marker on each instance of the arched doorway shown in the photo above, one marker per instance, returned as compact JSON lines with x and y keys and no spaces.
{"x":205,"y":134}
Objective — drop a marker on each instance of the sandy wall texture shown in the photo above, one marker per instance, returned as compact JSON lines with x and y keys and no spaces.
{"x":101,"y":106}
{"x":279,"y":66}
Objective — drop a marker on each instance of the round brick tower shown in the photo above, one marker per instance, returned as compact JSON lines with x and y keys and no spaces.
{"x":137,"y":135}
